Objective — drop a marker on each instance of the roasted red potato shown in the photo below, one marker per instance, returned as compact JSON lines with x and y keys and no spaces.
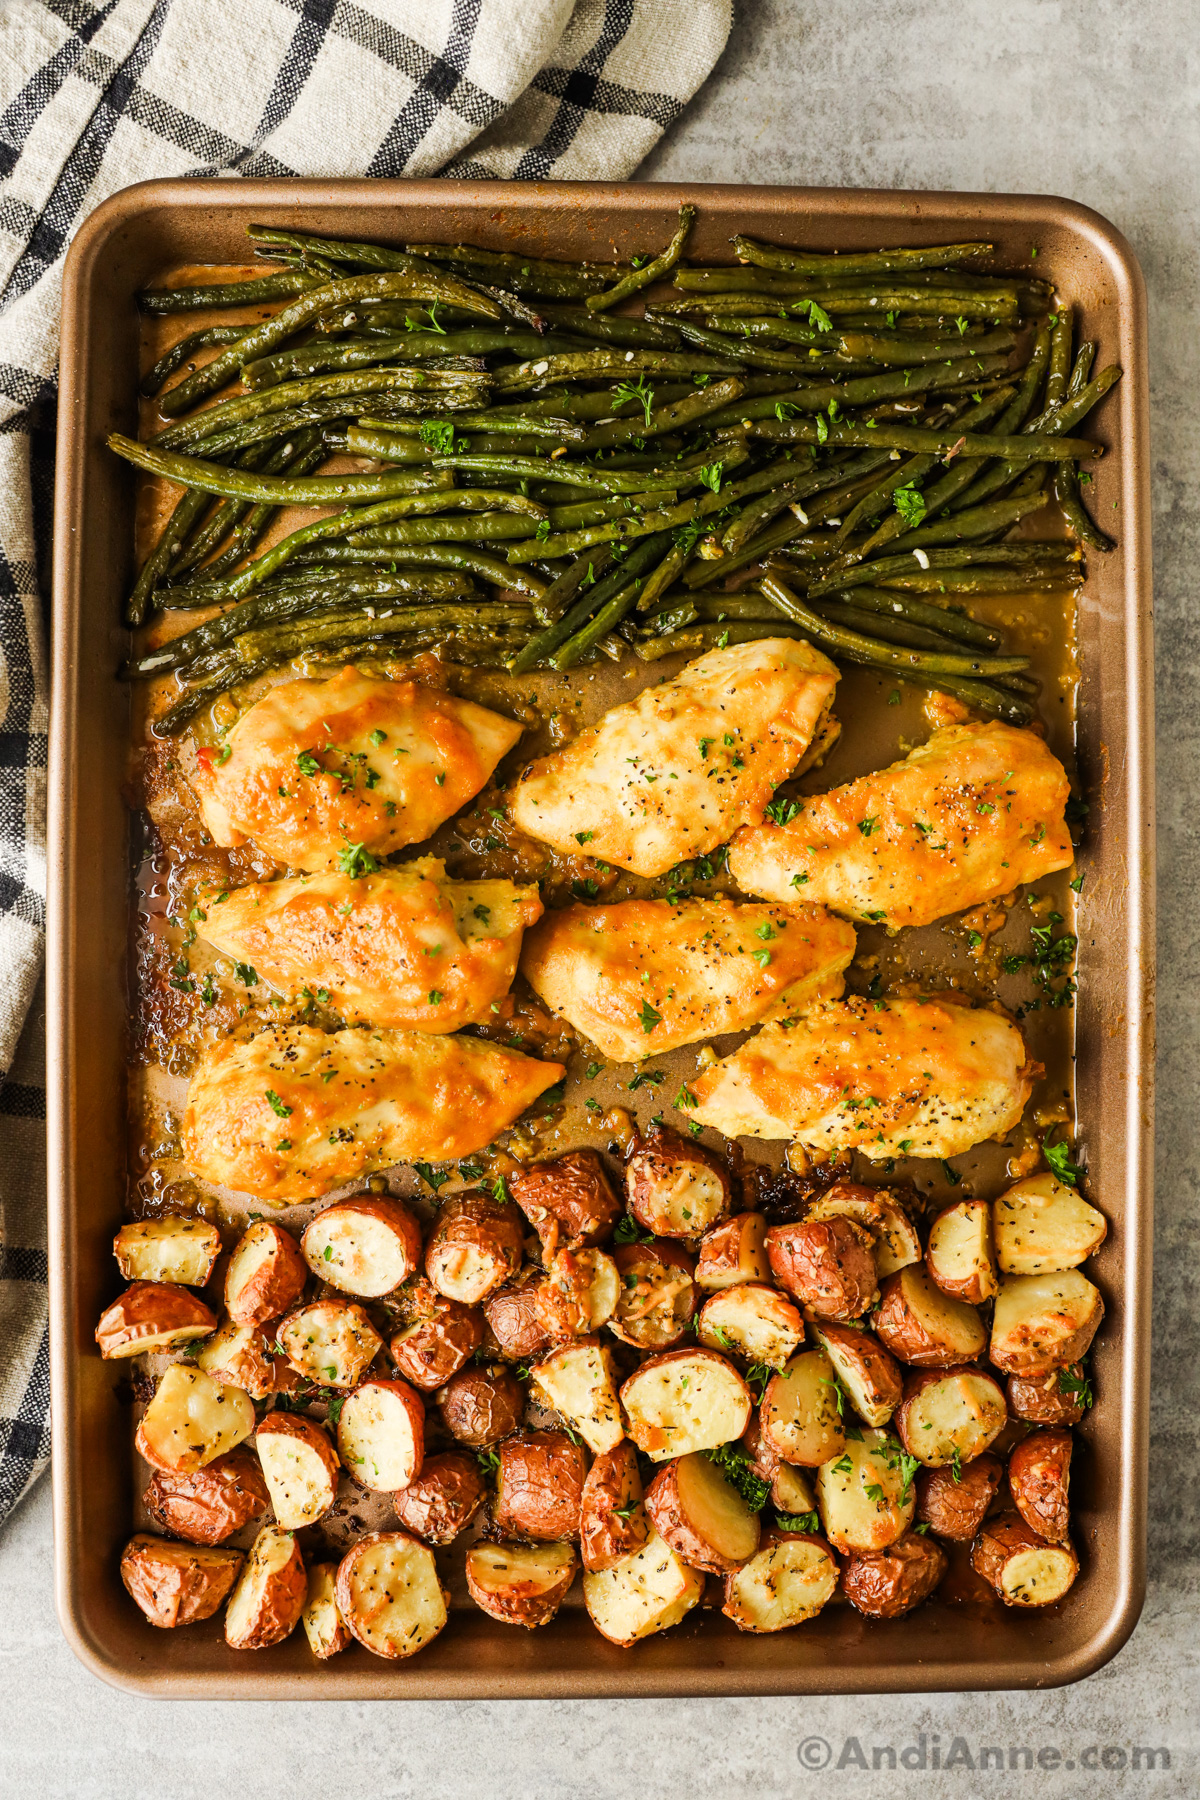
{"x":515,"y":1317}
{"x":1058,"y":1398}
{"x":177,"y":1584}
{"x":879,"y":1212}
{"x":787,"y":1581}
{"x":365,"y":1246}
{"x":209,"y":1505}
{"x":701,"y":1515}
{"x":754,"y":1321}
{"x":443,"y":1499}
{"x":1020,"y":1565}
{"x":440,"y":1337}
{"x":478,"y":1243}
{"x":648,"y":1591}
{"x":675,"y":1187}
{"x":921,"y":1325}
{"x":959,"y":1254}
{"x":238,"y":1355}
{"x":887,"y":1583}
{"x":331,"y":1342}
{"x":152,"y":1316}
{"x":865,"y":1498}
{"x":323,"y":1624}
{"x":520,"y":1584}
{"x":799,"y":1417}
{"x":173,"y":1249}
{"x":685,"y":1400}
{"x":733,"y":1252}
{"x":266,"y":1604}
{"x":579,"y":1381}
{"x":482,"y":1404}
{"x":1044,"y":1321}
{"x":266,"y":1274}
{"x":192,"y":1420}
{"x":569,"y":1202}
{"x":381,"y":1434}
{"x":1039,"y":1478}
{"x":870,"y":1374}
{"x":1042,"y":1226}
{"x":539,"y":1486}
{"x":828,"y":1264}
{"x":657,"y":1295}
{"x":300,"y":1466}
{"x":612,"y":1518}
{"x":579,"y":1294}
{"x":389,"y":1595}
{"x":955,"y":1506}
{"x":950,"y":1414}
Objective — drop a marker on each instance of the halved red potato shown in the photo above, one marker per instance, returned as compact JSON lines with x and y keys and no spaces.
{"x":381,"y":1434}
{"x":864,"y":1498}
{"x":1043,"y":1321}
{"x":1039,"y":1479}
{"x":959,"y":1253}
{"x":675,"y":1187}
{"x":647,"y":1591}
{"x":828,"y":1264}
{"x":955,"y":1504}
{"x":569,"y":1201}
{"x":657,"y":1294}
{"x":921,"y":1325}
{"x":482,"y":1404}
{"x":579,"y":1380}
{"x":786,"y":1582}
{"x":1056,"y":1398}
{"x":887,"y":1583}
{"x":366,"y":1245}
{"x":266,"y":1274}
{"x":579,"y":1294}
{"x":612,"y":1516}
{"x":443,"y":1499}
{"x":440,"y":1338}
{"x":300,"y":1466}
{"x":755,"y":1321}
{"x":520,"y":1584}
{"x":791,"y":1491}
{"x":703,"y":1518}
{"x":478,"y":1243}
{"x":332,"y":1342}
{"x":152,"y":1316}
{"x":322,"y":1622}
{"x":799,"y":1416}
{"x":950,"y":1415}
{"x":869,"y":1373}
{"x":176,"y":1584}
{"x":515,"y":1317}
{"x":878,"y":1211}
{"x":192,"y":1420}
{"x":1042,"y":1226}
{"x":1021,"y":1566}
{"x":266,"y":1604}
{"x":685,"y":1400}
{"x":238,"y":1355}
{"x":539,"y":1486}
{"x":389,"y":1595}
{"x":733,"y":1252}
{"x":210,"y":1504}
{"x":173,"y":1249}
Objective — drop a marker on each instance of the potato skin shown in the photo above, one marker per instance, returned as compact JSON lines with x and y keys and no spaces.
{"x":478,"y":1243}
{"x":1039,"y":1474}
{"x":1040,"y":1401}
{"x":539,"y":1486}
{"x":173,"y":1585}
{"x":209,"y":1505}
{"x":877,"y":1369}
{"x":732,"y":1252}
{"x":570,"y":1201}
{"x":281,"y":1601}
{"x":443,"y":1499}
{"x":669,"y":1517}
{"x":1001,"y":1539}
{"x":149,"y":1309}
{"x":886,"y":1584}
{"x":956,"y":1509}
{"x":613,"y":1486}
{"x":734,"y":1607}
{"x":276,"y":1283}
{"x":903,"y":1333}
{"x":641,"y":1267}
{"x":515,"y":1315}
{"x":363,"y":1622}
{"x":828,"y":1264}
{"x":379,"y":1208}
{"x":910,"y":1434}
{"x":565,"y":1299}
{"x":655,"y":1164}
{"x":521,"y":1602}
{"x":482,"y":1404}
{"x":441,"y":1337}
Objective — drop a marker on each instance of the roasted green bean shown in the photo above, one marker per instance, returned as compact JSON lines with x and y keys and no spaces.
{"x":650,"y":272}
{"x":852,"y":263}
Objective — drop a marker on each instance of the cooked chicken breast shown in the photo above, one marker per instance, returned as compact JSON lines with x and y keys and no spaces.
{"x":404,"y":947}
{"x":673,"y":773}
{"x":922,"y":1077}
{"x":966,"y":817}
{"x":645,"y":976}
{"x":318,"y":769}
{"x":296,"y":1111}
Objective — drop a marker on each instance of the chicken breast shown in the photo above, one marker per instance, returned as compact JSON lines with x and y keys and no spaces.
{"x":672,"y":774}
{"x":966,"y":817}
{"x":644,"y":976}
{"x":920,"y":1077}
{"x":404,"y":947}
{"x":316,"y":771}
{"x":297,"y":1111}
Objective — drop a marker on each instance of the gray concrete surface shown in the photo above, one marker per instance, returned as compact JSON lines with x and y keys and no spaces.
{"x":1098,"y":102}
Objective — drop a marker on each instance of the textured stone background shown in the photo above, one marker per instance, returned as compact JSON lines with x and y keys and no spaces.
{"x":1099,"y":102}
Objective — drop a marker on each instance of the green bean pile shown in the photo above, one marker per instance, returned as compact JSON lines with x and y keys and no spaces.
{"x":832,"y":447}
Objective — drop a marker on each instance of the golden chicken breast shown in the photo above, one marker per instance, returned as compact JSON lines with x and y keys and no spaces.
{"x":673,"y":773}
{"x":644,"y":976}
{"x":403,"y":947}
{"x":297,"y":1111}
{"x":335,"y":773}
{"x":966,"y":817}
{"x":920,"y":1077}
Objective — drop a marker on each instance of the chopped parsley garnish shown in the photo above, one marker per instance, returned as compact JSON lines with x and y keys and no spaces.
{"x":649,"y":1017}
{"x":276,"y":1104}
{"x":356,"y":860}
{"x":430,"y":1176}
{"x":909,"y":502}
{"x":781,"y":812}
{"x":738,"y":1470}
{"x":307,"y":763}
{"x":1059,"y":1158}
{"x":809,"y":1521}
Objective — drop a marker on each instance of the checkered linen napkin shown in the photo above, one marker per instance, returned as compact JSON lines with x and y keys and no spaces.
{"x":97,"y":94}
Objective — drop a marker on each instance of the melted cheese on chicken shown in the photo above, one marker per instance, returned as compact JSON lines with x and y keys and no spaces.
{"x":644,"y":976}
{"x":297,"y":1111}
{"x":317,"y":768}
{"x":922,"y":1077}
{"x":966,"y":817}
{"x":404,"y":947}
{"x":673,"y":773}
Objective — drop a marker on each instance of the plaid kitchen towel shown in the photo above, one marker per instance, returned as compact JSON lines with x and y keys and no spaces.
{"x":97,"y":94}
